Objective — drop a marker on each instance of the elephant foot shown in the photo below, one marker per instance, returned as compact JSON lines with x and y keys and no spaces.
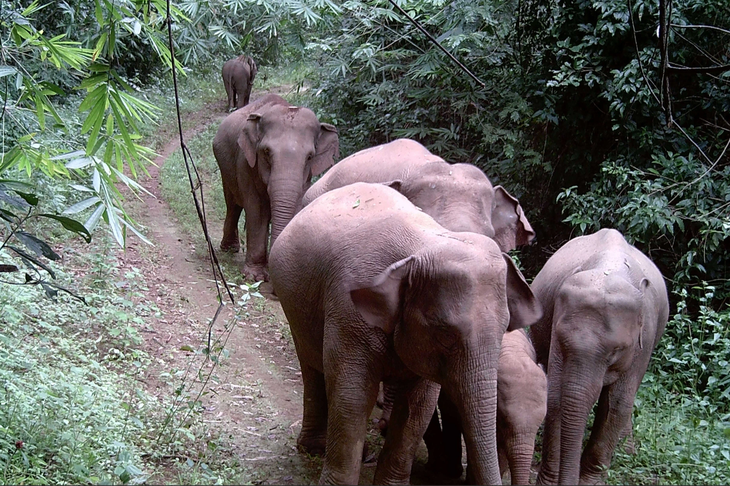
{"x":233,"y":247}
{"x":255,"y":273}
{"x":314,"y":445}
{"x":383,"y":427}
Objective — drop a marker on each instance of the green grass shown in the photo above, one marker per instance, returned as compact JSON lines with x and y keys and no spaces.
{"x":678,"y":441}
{"x":70,"y":408}
{"x":176,"y":188}
{"x":195,"y":91}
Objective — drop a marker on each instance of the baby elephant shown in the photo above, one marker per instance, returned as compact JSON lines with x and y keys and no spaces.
{"x":238,"y":75}
{"x":606,"y":307}
{"x":521,"y":407}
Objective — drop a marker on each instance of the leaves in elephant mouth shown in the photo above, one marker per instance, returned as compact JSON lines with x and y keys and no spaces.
{"x":357,"y":203}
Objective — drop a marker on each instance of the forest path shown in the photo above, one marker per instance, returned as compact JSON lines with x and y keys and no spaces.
{"x":254,"y":406}
{"x":253,"y":409}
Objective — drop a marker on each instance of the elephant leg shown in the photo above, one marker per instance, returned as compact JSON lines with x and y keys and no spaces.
{"x":351,"y":393}
{"x":412,"y":412}
{"x":229,"y":92}
{"x":313,"y":436}
{"x":230,"y":241}
{"x":613,"y":413}
{"x":452,"y":430}
{"x":550,"y":466}
{"x":389,"y":393}
{"x":519,"y":449}
{"x":258,"y":216}
{"x":242,"y":98}
{"x":247,"y":96}
{"x":434,"y":443}
{"x":628,"y":434}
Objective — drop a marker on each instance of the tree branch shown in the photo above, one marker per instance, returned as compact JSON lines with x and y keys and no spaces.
{"x":432,"y":39}
{"x":674,"y":68}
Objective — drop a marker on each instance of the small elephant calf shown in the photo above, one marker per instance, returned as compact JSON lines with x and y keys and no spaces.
{"x":238,"y":75}
{"x":606,"y":308}
{"x":521,"y":408}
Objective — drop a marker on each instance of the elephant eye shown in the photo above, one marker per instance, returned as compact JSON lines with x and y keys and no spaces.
{"x":446,"y":337}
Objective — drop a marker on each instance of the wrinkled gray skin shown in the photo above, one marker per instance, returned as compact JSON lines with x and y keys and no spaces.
{"x":458,"y":196}
{"x":391,"y":294}
{"x":605,"y":307}
{"x":268,"y":152}
{"x":238,"y":75}
{"x":521,"y":408}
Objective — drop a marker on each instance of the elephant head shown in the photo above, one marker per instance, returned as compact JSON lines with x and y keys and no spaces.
{"x":606,"y":307}
{"x":461,"y":198}
{"x":287,"y":145}
{"x":454,"y":345}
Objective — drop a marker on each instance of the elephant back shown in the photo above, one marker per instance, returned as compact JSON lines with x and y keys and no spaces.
{"x":380,"y":164}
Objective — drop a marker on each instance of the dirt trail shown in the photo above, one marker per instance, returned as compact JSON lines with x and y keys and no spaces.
{"x":255,"y":406}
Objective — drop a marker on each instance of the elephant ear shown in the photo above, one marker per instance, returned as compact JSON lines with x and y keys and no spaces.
{"x":248,"y":139}
{"x":511,"y":228}
{"x":396,"y":184}
{"x":379,"y":303}
{"x":328,"y":149}
{"x":253,"y":69}
{"x":524,"y":308}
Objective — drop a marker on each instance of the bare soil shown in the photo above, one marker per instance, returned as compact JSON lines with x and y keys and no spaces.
{"x":253,"y":409}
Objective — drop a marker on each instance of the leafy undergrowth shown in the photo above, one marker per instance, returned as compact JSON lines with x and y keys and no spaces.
{"x":71,"y":410}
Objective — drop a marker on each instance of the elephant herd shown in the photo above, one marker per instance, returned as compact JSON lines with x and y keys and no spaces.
{"x":393,"y":274}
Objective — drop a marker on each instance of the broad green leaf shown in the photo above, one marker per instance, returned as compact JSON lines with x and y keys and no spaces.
{"x":71,"y":225}
{"x":30,"y":198}
{"x":95,"y":217}
{"x":82,"y":205}
{"x":31,"y":260}
{"x":38,"y":246}
{"x":7,"y":71}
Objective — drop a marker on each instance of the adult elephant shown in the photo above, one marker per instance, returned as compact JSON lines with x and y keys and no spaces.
{"x":521,"y":408}
{"x":391,"y":294}
{"x":458,"y":196}
{"x":606,"y":307}
{"x":238,"y":75}
{"x":268,"y":152}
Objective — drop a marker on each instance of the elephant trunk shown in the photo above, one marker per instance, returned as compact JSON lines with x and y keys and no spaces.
{"x":477,"y":400}
{"x":286,"y":201}
{"x":579,"y":393}
{"x":520,"y":448}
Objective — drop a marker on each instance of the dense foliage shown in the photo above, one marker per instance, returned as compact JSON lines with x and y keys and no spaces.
{"x":571,"y":118}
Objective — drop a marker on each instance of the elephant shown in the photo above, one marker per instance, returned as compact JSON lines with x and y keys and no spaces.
{"x":458,"y":196}
{"x":606,"y":307}
{"x":238,"y":75}
{"x":392,"y":295}
{"x":521,"y":408}
{"x":267,"y":153}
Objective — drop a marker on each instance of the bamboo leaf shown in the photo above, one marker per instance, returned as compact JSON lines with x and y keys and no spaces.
{"x":82,"y":205}
{"x":71,"y":225}
{"x":38,"y":246}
